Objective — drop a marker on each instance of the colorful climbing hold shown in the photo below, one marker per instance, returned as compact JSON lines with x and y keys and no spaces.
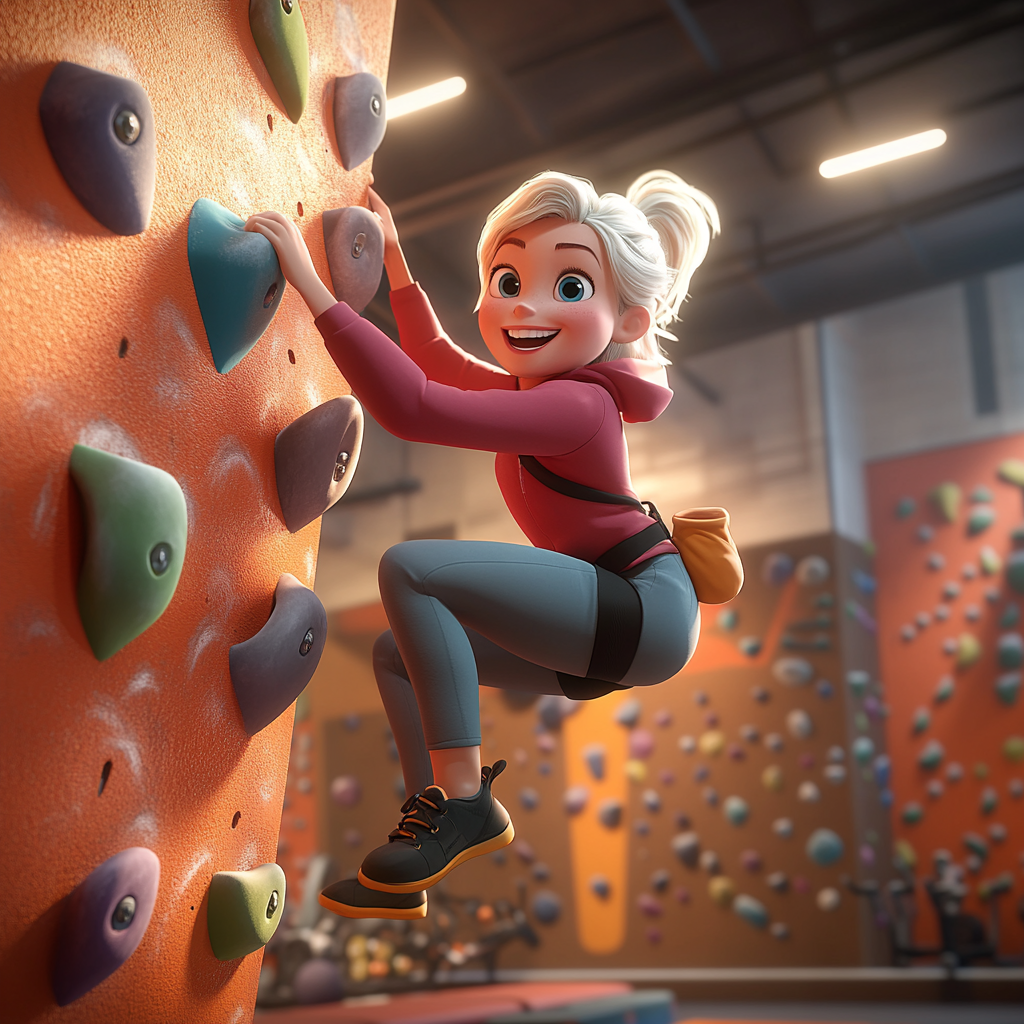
{"x":711,"y":743}
{"x":641,"y":743}
{"x":882,"y":770}
{"x":858,"y":681}
{"x":905,"y":508}
{"x":921,"y":720}
{"x":1013,"y":749}
{"x":777,"y":568}
{"x":346,"y":791}
{"x":824,"y":847}
{"x":244,"y":909}
{"x":1012,"y":471}
{"x":136,"y":529}
{"x":636,"y":771}
{"x":749,"y":645}
{"x":1015,"y":571}
{"x":727,"y":619}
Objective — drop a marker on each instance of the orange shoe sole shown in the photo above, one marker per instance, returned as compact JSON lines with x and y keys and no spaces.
{"x":390,"y":913}
{"x":499,"y":841}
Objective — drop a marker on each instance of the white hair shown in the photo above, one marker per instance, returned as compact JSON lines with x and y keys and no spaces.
{"x":655,"y":237}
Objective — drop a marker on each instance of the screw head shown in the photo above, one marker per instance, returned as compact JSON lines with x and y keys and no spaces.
{"x":358,"y":245}
{"x":270,"y":296}
{"x":375,"y":105}
{"x":341,"y":466}
{"x":272,"y":904}
{"x":307,"y":643}
{"x":127,"y":126}
{"x":160,"y":558}
{"x":287,"y":6}
{"x":124,"y":914}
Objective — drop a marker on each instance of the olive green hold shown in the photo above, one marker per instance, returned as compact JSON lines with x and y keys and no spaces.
{"x":1015,"y":571}
{"x":1012,"y":471}
{"x":946,"y":498}
{"x":968,"y":650}
{"x":1013,"y":749}
{"x":244,"y":910}
{"x":136,"y":527}
{"x":280,"y":35}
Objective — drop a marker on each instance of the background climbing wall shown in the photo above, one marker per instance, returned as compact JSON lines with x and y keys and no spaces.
{"x":712,"y":784}
{"x":948,"y":525}
{"x":104,"y":345}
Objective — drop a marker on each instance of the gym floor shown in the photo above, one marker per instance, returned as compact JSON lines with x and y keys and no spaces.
{"x":854,"y":1013}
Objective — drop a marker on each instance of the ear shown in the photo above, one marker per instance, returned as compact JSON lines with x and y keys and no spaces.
{"x":633,"y":324}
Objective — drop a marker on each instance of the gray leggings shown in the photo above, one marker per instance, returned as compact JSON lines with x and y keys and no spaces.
{"x":465,"y":613}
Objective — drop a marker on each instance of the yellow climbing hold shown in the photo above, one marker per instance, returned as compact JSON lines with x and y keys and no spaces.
{"x":968,"y":650}
{"x":712,"y":742}
{"x":946,"y":498}
{"x":905,"y":853}
{"x":771,"y":778}
{"x":636,"y":771}
{"x":1012,"y":471}
{"x":722,"y":890}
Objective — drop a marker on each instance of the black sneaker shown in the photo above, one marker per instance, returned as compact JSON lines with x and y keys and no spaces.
{"x":348,"y":898}
{"x":437,"y":834}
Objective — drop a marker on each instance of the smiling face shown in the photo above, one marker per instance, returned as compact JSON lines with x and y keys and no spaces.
{"x":550,"y":305}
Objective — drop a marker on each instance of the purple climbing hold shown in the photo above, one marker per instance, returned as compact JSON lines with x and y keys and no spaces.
{"x":102,"y":134}
{"x":103,"y":921}
{"x":547,"y":907}
{"x":318,"y":981}
{"x":360,"y":117}
{"x":575,"y":799}
{"x":648,"y":905}
{"x":751,"y":860}
{"x":529,"y":798}
{"x":777,"y":568}
{"x":354,"y":242}
{"x":346,"y":791}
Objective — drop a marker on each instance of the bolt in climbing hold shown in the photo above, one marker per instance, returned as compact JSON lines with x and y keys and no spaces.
{"x":354,"y":241}
{"x":244,"y":910}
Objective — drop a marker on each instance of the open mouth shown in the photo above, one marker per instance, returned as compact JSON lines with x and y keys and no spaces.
{"x":528,"y":339}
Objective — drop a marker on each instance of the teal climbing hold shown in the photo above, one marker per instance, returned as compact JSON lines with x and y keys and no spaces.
{"x":863,"y":749}
{"x":922,"y":719}
{"x":905,"y":508}
{"x":912,"y":813}
{"x":1010,"y":616}
{"x":944,"y":689}
{"x":1012,"y":471}
{"x":136,"y":527}
{"x":280,"y":35}
{"x":980,"y":518}
{"x":858,"y":681}
{"x":976,"y":844}
{"x":1010,"y":650}
{"x":751,"y":910}
{"x":736,"y":810}
{"x":237,"y":281}
{"x":982,"y":495}
{"x":727,"y":619}
{"x":931,"y":755}
{"x":824,"y":847}
{"x":989,"y":800}
{"x":1008,"y":688}
{"x":1015,"y":571}
{"x":244,"y":910}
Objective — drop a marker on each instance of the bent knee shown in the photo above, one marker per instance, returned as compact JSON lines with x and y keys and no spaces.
{"x":386,"y":656}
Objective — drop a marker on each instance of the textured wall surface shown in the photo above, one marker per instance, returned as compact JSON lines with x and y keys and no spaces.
{"x":162,"y":709}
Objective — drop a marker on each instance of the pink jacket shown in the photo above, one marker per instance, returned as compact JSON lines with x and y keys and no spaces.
{"x":430,"y":390}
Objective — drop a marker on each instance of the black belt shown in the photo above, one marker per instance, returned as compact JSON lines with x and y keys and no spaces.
{"x":619,"y":612}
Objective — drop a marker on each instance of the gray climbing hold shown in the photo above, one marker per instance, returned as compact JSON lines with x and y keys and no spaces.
{"x":652,"y":801}
{"x":783,"y":828}
{"x":315,"y":458}
{"x":103,"y":921}
{"x":736,"y":810}
{"x":575,"y":799}
{"x":318,"y":981}
{"x":935,"y":789}
{"x":793,"y":671}
{"x":360,"y":117}
{"x":546,"y":907}
{"x":954,"y":772}
{"x":828,"y":899}
{"x":836,"y":754}
{"x":727,"y":619}
{"x":1015,"y":571}
{"x":1010,"y":616}
{"x":709,"y":862}
{"x":749,"y":645}
{"x":686,"y":846}
{"x":270,"y":670}
{"x":553,"y":710}
{"x":799,"y":724}
{"x":660,"y":880}
{"x":773,"y":741}
{"x":835,"y":774}
{"x":858,"y":681}
{"x":777,"y":568}
{"x":628,"y":712}
{"x":778,"y":881}
{"x":1016,"y":788}
{"x":944,"y":690}
{"x":751,"y":910}
{"x":882,"y":769}
{"x":102,"y":134}
{"x":931,"y":756}
{"x":244,"y":909}
{"x":1010,"y":650}
{"x":529,"y":798}
{"x":824,"y":689}
{"x":807,"y":792}
{"x":812,"y":571}
{"x":610,"y":813}
{"x":824,"y":847}
{"x":594,"y":757}
{"x":1008,"y":688}
{"x":354,"y":241}
{"x":641,"y":744}
{"x":863,"y":749}
{"x":989,"y":800}
{"x":600,"y":886}
{"x":925,"y":533}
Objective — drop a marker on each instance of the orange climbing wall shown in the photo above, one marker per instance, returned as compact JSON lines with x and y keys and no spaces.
{"x":162,"y":709}
{"x":972,"y":725}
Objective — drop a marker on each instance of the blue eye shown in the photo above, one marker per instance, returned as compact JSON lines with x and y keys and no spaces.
{"x":504,"y":285}
{"x":573,"y":288}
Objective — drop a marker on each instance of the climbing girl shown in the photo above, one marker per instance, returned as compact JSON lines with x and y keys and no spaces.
{"x":575,"y":291}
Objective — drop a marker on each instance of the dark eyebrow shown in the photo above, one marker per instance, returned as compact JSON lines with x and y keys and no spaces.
{"x":514,"y":241}
{"x":573,"y":245}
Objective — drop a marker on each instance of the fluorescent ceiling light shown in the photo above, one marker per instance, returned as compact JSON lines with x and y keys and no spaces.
{"x":882,"y":154}
{"x":426,"y":97}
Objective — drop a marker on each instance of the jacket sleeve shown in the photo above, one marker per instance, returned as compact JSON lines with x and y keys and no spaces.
{"x":553,"y":418}
{"x":424,"y":339}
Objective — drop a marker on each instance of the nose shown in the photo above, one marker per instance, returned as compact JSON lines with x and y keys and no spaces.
{"x":522,"y":311}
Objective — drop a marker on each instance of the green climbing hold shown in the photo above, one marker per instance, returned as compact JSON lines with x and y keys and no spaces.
{"x":244,"y":910}
{"x":968,"y":650}
{"x":1015,"y":571}
{"x":982,"y":495}
{"x":136,"y":527}
{"x":905,"y":853}
{"x":922,"y":719}
{"x":912,"y":813}
{"x":1008,"y":687}
{"x":1010,"y":650}
{"x":931,"y":756}
{"x":989,"y":560}
{"x":1012,"y":471}
{"x":989,"y":800}
{"x":863,"y":748}
{"x":280,"y":35}
{"x":237,"y":281}
{"x":1013,"y":749}
{"x":858,"y":681}
{"x":980,"y":518}
{"x":1010,"y":616}
{"x":946,"y":498}
{"x":944,"y":689}
{"x":905,"y":508}
{"x":976,"y":844}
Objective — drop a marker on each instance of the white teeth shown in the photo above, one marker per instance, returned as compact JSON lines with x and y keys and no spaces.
{"x":530,"y":332}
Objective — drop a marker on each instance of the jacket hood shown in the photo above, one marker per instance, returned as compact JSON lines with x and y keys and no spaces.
{"x":638,"y":386}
